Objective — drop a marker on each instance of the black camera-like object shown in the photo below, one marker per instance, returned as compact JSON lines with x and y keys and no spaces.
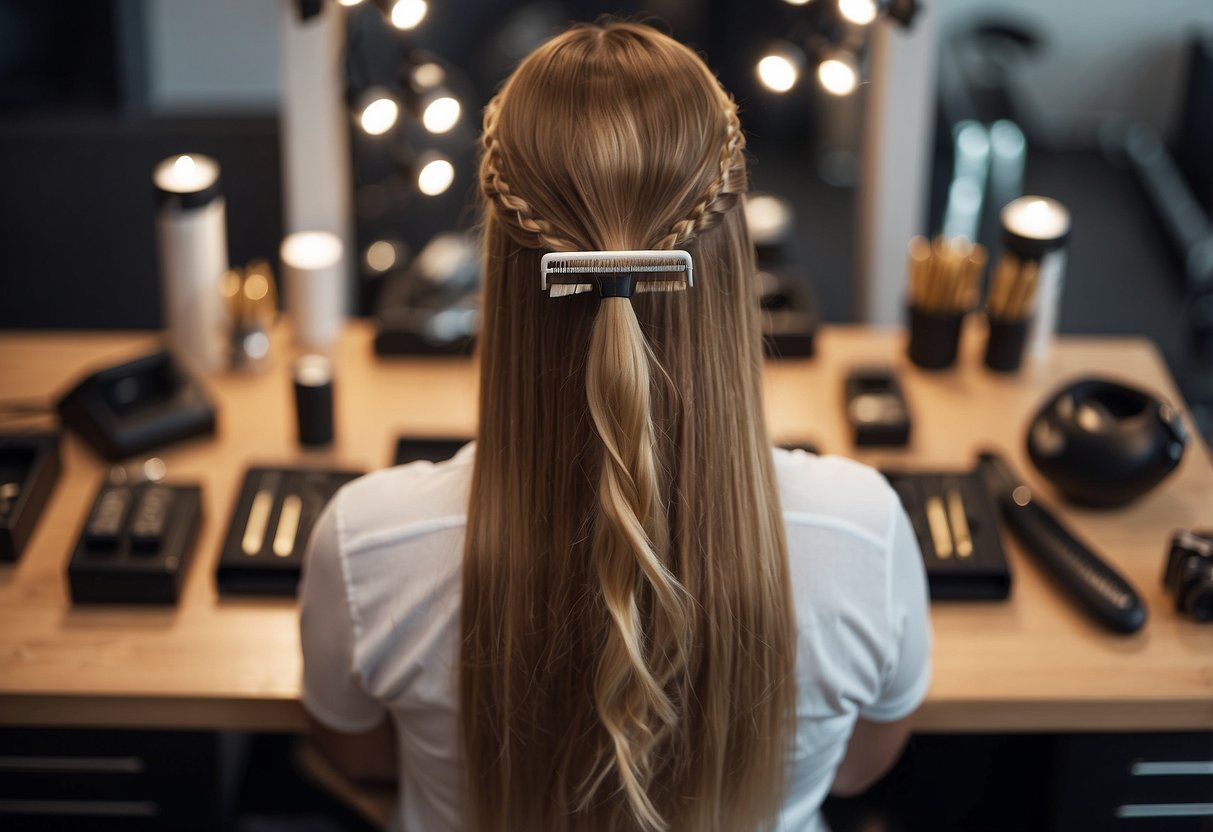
{"x":1189,"y":573}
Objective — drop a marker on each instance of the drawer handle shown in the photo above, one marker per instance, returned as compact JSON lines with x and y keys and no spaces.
{"x":1165,"y":810}
{"x":1172,"y":767}
{"x":107,"y":808}
{"x":71,"y":765}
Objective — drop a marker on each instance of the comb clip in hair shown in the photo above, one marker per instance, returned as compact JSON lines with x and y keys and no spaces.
{"x":615,"y":273}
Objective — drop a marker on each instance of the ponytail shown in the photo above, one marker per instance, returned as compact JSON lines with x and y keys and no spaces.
{"x":648,"y":609}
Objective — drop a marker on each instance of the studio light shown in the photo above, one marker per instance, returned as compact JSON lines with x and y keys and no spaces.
{"x":440,"y":114}
{"x":779,"y":69}
{"x":380,"y":256}
{"x":407,"y":14}
{"x":377,"y":111}
{"x":861,"y":12}
{"x":837,"y":74}
{"x":428,"y":75}
{"x":435,"y":175}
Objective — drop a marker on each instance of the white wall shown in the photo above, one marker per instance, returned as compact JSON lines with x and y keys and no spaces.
{"x":213,"y":54}
{"x":1102,"y":56}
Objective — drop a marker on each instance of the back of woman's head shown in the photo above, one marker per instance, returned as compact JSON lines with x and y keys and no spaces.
{"x":628,"y":644}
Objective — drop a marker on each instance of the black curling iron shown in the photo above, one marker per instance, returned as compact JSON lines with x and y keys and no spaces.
{"x":1089,"y":579}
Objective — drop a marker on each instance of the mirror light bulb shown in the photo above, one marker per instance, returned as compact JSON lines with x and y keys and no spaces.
{"x":441,"y":114}
{"x":837,"y":77}
{"x":861,"y":12}
{"x":406,"y":14}
{"x":435,"y":177}
{"x":379,"y":116}
{"x":777,"y":73}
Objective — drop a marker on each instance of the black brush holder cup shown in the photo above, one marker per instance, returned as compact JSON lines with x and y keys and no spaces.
{"x":1004,"y":347}
{"x":934,"y":337}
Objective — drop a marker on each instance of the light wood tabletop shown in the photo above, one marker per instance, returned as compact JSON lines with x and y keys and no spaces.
{"x":1032,"y":663}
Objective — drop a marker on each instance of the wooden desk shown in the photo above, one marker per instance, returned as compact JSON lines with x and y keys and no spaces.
{"x":1032,"y":663}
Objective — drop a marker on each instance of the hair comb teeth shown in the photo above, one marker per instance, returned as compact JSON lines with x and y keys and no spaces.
{"x":615,"y":273}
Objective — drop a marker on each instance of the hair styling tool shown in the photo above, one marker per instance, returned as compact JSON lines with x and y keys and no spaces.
{"x":1091,"y":581}
{"x":615,"y":273}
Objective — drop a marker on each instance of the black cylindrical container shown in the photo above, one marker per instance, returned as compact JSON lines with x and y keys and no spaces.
{"x":1004,"y":349}
{"x":314,"y":399}
{"x":934,"y":337}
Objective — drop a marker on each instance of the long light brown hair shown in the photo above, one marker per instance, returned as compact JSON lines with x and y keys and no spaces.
{"x":628,"y":641}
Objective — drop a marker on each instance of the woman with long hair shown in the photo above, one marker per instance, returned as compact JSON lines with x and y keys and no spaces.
{"x":620,"y":608}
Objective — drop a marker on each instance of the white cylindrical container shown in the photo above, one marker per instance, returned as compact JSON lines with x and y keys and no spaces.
{"x":313,"y":269}
{"x":1036,"y":229}
{"x":191,"y":227}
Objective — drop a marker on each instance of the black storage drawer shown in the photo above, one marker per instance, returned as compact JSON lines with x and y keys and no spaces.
{"x":55,"y":779}
{"x":1130,"y":782}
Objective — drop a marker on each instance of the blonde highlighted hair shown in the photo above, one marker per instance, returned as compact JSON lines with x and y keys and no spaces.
{"x":628,"y":641}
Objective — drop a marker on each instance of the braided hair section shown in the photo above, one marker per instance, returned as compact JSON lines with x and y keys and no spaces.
{"x":521,"y":221}
{"x":722,"y":195}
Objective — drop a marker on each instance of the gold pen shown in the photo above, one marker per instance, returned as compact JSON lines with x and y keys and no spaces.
{"x":937,"y":519}
{"x":960,"y":522}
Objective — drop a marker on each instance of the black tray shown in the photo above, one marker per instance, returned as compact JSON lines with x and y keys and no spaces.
{"x":266,"y":557}
{"x":29,"y":463}
{"x":984,"y":573}
{"x":125,"y":572}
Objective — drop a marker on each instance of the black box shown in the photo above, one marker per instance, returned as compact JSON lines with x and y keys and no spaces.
{"x":29,"y":469}
{"x":934,"y":499}
{"x":134,"y":407}
{"x":270,"y":526}
{"x":120,"y":567}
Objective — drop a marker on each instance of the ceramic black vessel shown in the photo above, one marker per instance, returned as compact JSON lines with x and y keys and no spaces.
{"x":1102,"y":443}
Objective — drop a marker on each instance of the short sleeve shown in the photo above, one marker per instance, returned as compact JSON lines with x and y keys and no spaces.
{"x":332,"y":687}
{"x":908,"y":669}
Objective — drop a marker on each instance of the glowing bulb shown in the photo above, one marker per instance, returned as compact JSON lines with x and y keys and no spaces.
{"x":380,"y":256}
{"x":777,"y":73}
{"x":862,"y":12}
{"x":379,"y":116}
{"x":435,"y":177}
{"x":441,"y":114}
{"x":428,"y":75}
{"x":797,"y":2}
{"x":837,"y":77}
{"x":186,"y":174}
{"x":406,"y":14}
{"x":348,"y":3}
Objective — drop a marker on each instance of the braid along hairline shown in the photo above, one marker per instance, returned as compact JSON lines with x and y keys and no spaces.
{"x":532,"y":231}
{"x":527,"y":229}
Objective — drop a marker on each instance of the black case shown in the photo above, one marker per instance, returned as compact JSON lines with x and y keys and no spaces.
{"x":985,"y":574}
{"x":265,"y":572}
{"x":32,"y":461}
{"x":876,"y":407}
{"x":125,"y":574}
{"x":137,"y":406}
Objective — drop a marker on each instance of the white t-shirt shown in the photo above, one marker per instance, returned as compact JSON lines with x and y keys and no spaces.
{"x":380,"y":620}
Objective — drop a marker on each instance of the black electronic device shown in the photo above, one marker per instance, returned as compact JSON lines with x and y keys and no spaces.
{"x":429,"y":448}
{"x":876,"y":407}
{"x":270,"y":527}
{"x":1188,"y":573}
{"x":137,"y":406}
{"x":955,"y":523}
{"x":1103,"y":443}
{"x":29,"y":468}
{"x":136,"y":543}
{"x":1090,"y":580}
